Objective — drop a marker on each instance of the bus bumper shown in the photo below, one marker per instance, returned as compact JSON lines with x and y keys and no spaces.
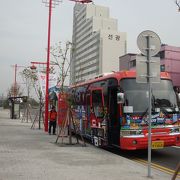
{"x":141,"y":141}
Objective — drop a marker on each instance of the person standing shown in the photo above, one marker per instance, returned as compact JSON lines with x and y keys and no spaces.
{"x":52,"y":120}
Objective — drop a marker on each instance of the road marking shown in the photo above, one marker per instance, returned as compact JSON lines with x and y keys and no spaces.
{"x":156,"y":166}
{"x":176,"y":146}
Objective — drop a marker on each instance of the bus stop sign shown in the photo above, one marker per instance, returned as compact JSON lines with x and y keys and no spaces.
{"x":142,"y":69}
{"x":148,"y":66}
{"x":155,"y":43}
{"x":149,"y":44}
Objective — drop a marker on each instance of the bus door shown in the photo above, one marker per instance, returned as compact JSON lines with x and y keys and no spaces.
{"x":97,"y":105}
{"x":87,"y":115}
{"x":97,"y":116}
{"x":113,"y":123}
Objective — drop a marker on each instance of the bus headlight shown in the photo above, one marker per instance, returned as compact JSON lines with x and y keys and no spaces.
{"x":175,"y":130}
{"x":134,"y":142}
{"x":139,"y":132}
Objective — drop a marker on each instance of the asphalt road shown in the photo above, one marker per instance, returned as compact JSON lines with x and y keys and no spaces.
{"x":168,"y":157}
{"x":165,"y":159}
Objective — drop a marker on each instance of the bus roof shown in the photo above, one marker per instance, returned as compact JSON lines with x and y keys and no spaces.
{"x":118,"y":75}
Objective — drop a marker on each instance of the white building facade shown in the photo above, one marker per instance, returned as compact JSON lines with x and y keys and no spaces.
{"x":96,"y":43}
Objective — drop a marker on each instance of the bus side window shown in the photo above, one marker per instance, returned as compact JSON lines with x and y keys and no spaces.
{"x":97,"y":102}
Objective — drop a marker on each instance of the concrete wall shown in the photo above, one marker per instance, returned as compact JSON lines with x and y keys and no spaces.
{"x":124,"y":61}
{"x":97,"y":11}
{"x":104,"y":24}
{"x":172,"y":62}
{"x":113,"y":45}
{"x":97,"y":42}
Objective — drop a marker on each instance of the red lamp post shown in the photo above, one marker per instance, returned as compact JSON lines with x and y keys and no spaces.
{"x":15,"y":72}
{"x":33,"y":67}
{"x":50,"y":4}
{"x":15,"y":79}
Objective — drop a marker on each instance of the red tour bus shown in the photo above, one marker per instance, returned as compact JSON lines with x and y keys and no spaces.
{"x":112,"y":110}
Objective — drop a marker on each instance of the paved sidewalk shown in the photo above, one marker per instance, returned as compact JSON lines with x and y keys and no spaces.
{"x":27,"y":154}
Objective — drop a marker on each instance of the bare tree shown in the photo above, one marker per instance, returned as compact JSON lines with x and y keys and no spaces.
{"x":178,"y":4}
{"x":30,"y":77}
{"x":61,"y":59}
{"x":14,"y":90}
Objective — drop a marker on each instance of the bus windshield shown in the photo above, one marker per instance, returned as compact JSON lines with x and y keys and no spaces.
{"x":137,"y":94}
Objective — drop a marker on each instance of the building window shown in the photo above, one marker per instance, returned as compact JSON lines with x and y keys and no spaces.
{"x":162,"y":54}
{"x":163,"y":68}
{"x":132,"y":63}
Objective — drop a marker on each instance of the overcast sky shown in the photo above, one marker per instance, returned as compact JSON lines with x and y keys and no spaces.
{"x":23,"y":28}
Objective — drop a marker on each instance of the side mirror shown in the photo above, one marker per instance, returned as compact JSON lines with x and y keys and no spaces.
{"x":120,"y":98}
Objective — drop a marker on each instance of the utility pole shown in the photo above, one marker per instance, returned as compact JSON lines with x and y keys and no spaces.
{"x":50,"y":4}
{"x":33,"y":68}
{"x":15,"y":79}
{"x":15,"y":72}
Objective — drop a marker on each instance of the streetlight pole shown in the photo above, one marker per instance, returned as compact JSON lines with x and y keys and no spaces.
{"x":33,"y":67}
{"x":14,"y":93}
{"x":47,"y":67}
{"x":50,"y":4}
{"x":15,"y":72}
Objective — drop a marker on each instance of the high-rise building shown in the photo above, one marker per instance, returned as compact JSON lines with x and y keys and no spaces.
{"x":96,"y":42}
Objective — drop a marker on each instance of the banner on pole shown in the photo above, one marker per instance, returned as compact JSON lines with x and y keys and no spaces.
{"x":53,"y":81}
